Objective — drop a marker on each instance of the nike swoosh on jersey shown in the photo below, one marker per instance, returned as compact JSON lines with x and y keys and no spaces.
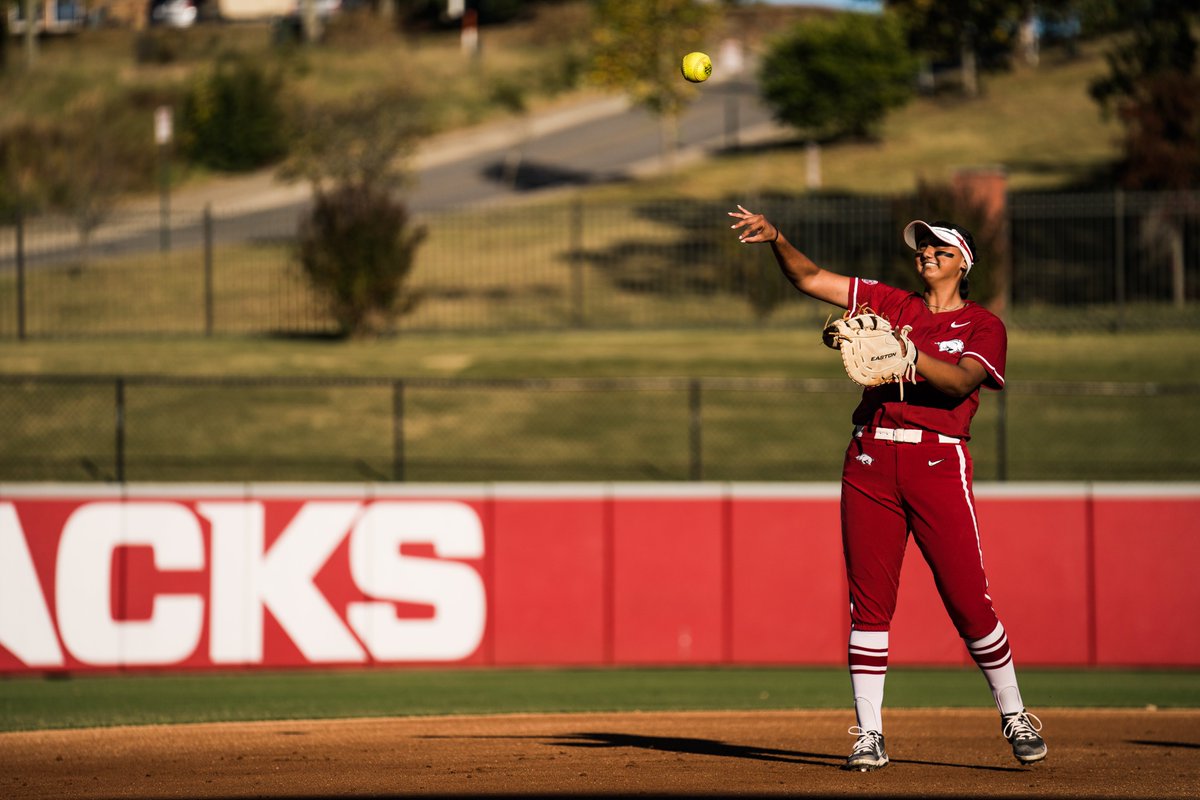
{"x":959,"y":324}
{"x":935,"y":463}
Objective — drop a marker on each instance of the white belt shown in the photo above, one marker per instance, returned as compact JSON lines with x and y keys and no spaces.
{"x":909,"y":435}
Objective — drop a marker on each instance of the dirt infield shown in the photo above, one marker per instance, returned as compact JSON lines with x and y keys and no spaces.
{"x":935,"y":753}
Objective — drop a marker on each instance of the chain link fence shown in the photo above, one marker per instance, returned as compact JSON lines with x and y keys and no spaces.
{"x":160,"y":428}
{"x":1078,"y":261}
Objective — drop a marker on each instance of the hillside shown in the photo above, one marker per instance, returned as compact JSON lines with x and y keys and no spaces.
{"x":1039,"y":124}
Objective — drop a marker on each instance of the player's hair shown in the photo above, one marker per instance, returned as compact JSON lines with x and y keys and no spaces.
{"x":964,"y":288}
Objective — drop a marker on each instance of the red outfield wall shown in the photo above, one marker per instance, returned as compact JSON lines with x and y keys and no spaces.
{"x":200,"y":577}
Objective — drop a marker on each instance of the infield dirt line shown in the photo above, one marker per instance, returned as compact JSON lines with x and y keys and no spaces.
{"x":935,"y":753}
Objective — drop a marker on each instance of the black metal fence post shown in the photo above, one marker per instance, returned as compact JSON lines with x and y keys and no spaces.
{"x":398,"y":431}
{"x":695,"y":431}
{"x":576,"y":255}
{"x":164,"y":195}
{"x":120,"y":430}
{"x":1119,"y":251}
{"x":20,"y":276}
{"x":208,"y":270}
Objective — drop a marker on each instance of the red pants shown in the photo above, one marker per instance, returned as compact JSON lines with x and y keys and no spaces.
{"x":890,"y":489}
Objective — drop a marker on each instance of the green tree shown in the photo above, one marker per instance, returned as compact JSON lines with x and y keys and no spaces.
{"x":837,"y":76}
{"x":961,"y":30}
{"x":637,"y":48}
{"x":233,"y":118}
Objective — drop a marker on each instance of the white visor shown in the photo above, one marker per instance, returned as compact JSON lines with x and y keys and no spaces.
{"x":947,"y":235}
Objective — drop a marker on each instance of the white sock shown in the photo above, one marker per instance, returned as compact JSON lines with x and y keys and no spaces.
{"x":994,"y":658}
{"x":868,"y":668}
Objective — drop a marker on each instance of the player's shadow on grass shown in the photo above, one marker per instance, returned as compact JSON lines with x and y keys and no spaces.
{"x":712,"y":747}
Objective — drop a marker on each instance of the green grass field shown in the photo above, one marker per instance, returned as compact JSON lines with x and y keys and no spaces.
{"x":698,"y":352}
{"x":473,"y":433}
{"x":133,"y":699}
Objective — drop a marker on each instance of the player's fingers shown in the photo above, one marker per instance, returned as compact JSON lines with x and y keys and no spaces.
{"x":752,"y":232}
{"x":753,"y":224}
{"x":759,"y":229}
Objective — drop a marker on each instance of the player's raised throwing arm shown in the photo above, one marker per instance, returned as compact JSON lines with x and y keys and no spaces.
{"x":804,"y":274}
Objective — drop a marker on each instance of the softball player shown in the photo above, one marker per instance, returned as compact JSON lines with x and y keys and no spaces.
{"x":907,"y":469}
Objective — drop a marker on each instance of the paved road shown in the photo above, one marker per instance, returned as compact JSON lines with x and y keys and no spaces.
{"x":599,"y":141}
{"x":615,"y":146}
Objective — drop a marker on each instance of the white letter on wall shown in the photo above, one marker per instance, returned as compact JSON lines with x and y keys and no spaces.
{"x":84,"y":578}
{"x":235,"y":615}
{"x":25,"y":625}
{"x":246,"y":580}
{"x":455,"y":590}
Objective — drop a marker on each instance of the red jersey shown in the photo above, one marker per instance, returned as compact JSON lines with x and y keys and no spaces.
{"x":969,"y":332}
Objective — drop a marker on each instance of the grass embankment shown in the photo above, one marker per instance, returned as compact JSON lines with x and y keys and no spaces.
{"x":1038,"y":123}
{"x":464,"y":433}
{"x":133,"y":699}
{"x":782,"y":353}
{"x":531,"y":64}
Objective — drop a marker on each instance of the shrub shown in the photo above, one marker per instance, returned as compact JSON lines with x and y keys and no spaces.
{"x":1162,"y":133}
{"x":157,"y":46}
{"x":232,"y":119}
{"x":357,"y":248}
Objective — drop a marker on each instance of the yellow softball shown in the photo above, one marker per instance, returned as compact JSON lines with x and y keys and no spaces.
{"x":696,"y":67}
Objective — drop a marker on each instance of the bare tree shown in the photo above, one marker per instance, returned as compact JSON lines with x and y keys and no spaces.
{"x":92,"y":168}
{"x":32,"y":11}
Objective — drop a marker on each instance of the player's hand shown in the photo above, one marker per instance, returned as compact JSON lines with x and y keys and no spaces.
{"x":754,"y":227}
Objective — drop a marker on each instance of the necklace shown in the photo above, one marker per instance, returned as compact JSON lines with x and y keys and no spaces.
{"x":932,"y":307}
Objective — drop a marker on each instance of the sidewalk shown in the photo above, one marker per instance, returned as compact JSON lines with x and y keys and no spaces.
{"x":261,"y":190}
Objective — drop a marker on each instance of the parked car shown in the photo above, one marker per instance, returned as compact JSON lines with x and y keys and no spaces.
{"x":173,"y":13}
